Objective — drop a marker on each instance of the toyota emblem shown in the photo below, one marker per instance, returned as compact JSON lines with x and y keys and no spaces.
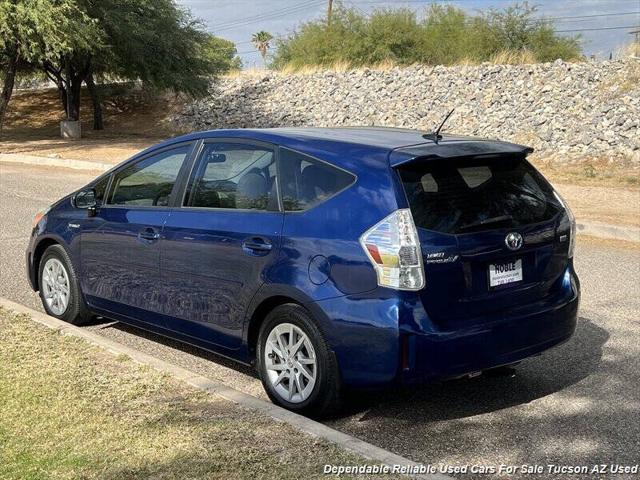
{"x":513,"y":241}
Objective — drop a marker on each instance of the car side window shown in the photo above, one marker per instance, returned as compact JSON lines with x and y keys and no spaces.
{"x":234,"y":176}
{"x":306,"y":182}
{"x":150,"y":181}
{"x":100,"y":188}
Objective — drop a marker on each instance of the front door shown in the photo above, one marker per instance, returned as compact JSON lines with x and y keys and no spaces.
{"x":120,"y":246}
{"x":219,"y":244}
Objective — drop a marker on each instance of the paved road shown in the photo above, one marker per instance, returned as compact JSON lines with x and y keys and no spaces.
{"x":578,"y":404}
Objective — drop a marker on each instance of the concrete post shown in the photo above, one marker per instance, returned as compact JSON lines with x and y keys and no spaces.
{"x":70,"y":129}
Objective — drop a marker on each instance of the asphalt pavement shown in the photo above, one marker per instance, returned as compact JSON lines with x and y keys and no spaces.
{"x":578,"y":404}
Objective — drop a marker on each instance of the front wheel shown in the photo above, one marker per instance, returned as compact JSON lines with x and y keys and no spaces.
{"x":297,"y":368}
{"x":59,"y":288}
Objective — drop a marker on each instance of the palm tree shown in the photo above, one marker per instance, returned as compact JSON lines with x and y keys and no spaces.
{"x":261,"y":41}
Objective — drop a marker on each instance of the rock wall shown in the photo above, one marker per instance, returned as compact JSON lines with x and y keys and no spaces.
{"x":566,"y":111}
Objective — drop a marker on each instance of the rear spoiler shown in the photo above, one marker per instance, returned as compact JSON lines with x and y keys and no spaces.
{"x":454,"y":149}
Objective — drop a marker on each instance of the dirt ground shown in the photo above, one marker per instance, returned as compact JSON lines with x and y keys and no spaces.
{"x":135,"y":119}
{"x":618,"y":206}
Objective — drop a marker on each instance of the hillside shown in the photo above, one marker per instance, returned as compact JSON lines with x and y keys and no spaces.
{"x":564,"y":110}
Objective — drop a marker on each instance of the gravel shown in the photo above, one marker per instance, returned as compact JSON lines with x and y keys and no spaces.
{"x":566,"y":111}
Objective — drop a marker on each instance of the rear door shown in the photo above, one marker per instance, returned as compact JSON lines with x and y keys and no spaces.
{"x":488,"y":230}
{"x":218,"y":245}
{"x":120,"y":245}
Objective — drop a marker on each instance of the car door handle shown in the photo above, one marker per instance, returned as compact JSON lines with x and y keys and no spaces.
{"x":256,"y":246}
{"x":149,"y":234}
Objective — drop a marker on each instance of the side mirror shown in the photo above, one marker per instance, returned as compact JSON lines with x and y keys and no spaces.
{"x":86,"y":199}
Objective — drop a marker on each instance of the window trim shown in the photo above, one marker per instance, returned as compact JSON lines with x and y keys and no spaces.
{"x":195,"y":163}
{"x":176,"y":186}
{"x":319,"y":160}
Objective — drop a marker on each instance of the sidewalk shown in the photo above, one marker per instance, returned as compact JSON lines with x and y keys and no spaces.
{"x":607,"y":212}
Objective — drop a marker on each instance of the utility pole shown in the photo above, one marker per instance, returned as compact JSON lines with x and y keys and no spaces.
{"x":329,"y":12}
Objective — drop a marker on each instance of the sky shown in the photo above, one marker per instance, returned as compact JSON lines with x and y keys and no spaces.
{"x":237,"y":20}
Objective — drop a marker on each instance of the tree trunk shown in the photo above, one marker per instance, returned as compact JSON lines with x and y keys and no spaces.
{"x":98,"y":122}
{"x":55,"y":76}
{"x":62,"y":91}
{"x":74,"y":83}
{"x":7,"y":88}
{"x":69,"y":81}
{"x":73,"y":100}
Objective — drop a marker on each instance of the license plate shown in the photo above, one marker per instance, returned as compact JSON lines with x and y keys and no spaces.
{"x":505,"y":272}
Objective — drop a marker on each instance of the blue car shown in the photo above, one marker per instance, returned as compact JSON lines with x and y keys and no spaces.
{"x":328,"y":258}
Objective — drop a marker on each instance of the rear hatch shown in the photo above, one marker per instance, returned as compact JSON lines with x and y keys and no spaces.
{"x":489,"y":227}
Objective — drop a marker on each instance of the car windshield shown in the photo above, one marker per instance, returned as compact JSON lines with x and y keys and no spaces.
{"x":458,"y":196}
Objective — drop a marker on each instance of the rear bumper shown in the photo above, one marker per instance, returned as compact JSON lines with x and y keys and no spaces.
{"x":385,"y":336}
{"x":436,"y":355}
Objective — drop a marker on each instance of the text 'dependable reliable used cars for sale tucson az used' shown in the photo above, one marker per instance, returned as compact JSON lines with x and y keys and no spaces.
{"x":329,"y":258}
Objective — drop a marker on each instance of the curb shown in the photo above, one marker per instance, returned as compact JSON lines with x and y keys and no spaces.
{"x":55,"y":162}
{"x":594,"y":229}
{"x":300,"y":423}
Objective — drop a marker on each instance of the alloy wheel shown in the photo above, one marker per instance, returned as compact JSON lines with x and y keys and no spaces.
{"x":290,"y":362}
{"x":56,"y":287}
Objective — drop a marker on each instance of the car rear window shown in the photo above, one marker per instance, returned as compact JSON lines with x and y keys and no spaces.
{"x":459,"y":196}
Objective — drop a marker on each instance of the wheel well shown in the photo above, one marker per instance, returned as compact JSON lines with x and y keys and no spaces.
{"x":259,"y":314}
{"x":37,"y":256}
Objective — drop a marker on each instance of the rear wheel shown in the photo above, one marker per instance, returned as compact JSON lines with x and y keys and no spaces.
{"x":59,"y":288}
{"x":297,"y":368}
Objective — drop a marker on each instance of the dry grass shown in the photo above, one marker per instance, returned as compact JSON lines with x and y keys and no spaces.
{"x":70,"y":410}
{"x":514,"y":57}
{"x":591,"y":171}
{"x":292,"y":69}
{"x":339,"y":67}
{"x":624,"y":82}
{"x":508,"y":57}
{"x":631,"y":50}
{"x":248,"y":72}
{"x":631,"y":81}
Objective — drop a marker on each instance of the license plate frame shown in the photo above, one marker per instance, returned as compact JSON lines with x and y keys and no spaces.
{"x":505,"y":273}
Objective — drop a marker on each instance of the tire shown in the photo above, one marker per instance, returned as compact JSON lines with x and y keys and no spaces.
{"x":318,"y":398}
{"x":56,"y":263}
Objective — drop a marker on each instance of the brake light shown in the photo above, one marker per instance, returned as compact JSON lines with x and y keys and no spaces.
{"x":570,"y":219}
{"x":393,"y":248}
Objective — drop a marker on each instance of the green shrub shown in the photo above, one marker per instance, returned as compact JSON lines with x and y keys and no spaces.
{"x":446,"y":35}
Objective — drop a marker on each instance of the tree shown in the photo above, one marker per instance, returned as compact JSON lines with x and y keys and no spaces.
{"x":445,"y":35}
{"x":261,"y":41}
{"x":517,"y":28}
{"x":33,"y":31}
{"x":152,"y":41}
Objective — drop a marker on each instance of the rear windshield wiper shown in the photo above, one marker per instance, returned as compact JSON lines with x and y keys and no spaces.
{"x":486,"y":221}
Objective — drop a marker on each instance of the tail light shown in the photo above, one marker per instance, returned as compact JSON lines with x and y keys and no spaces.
{"x":393,"y":248}
{"x":568,"y":222}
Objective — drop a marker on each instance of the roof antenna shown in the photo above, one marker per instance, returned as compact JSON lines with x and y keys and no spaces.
{"x":436,"y":136}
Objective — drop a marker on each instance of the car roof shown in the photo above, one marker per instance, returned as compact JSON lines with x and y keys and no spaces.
{"x":401,"y":144}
